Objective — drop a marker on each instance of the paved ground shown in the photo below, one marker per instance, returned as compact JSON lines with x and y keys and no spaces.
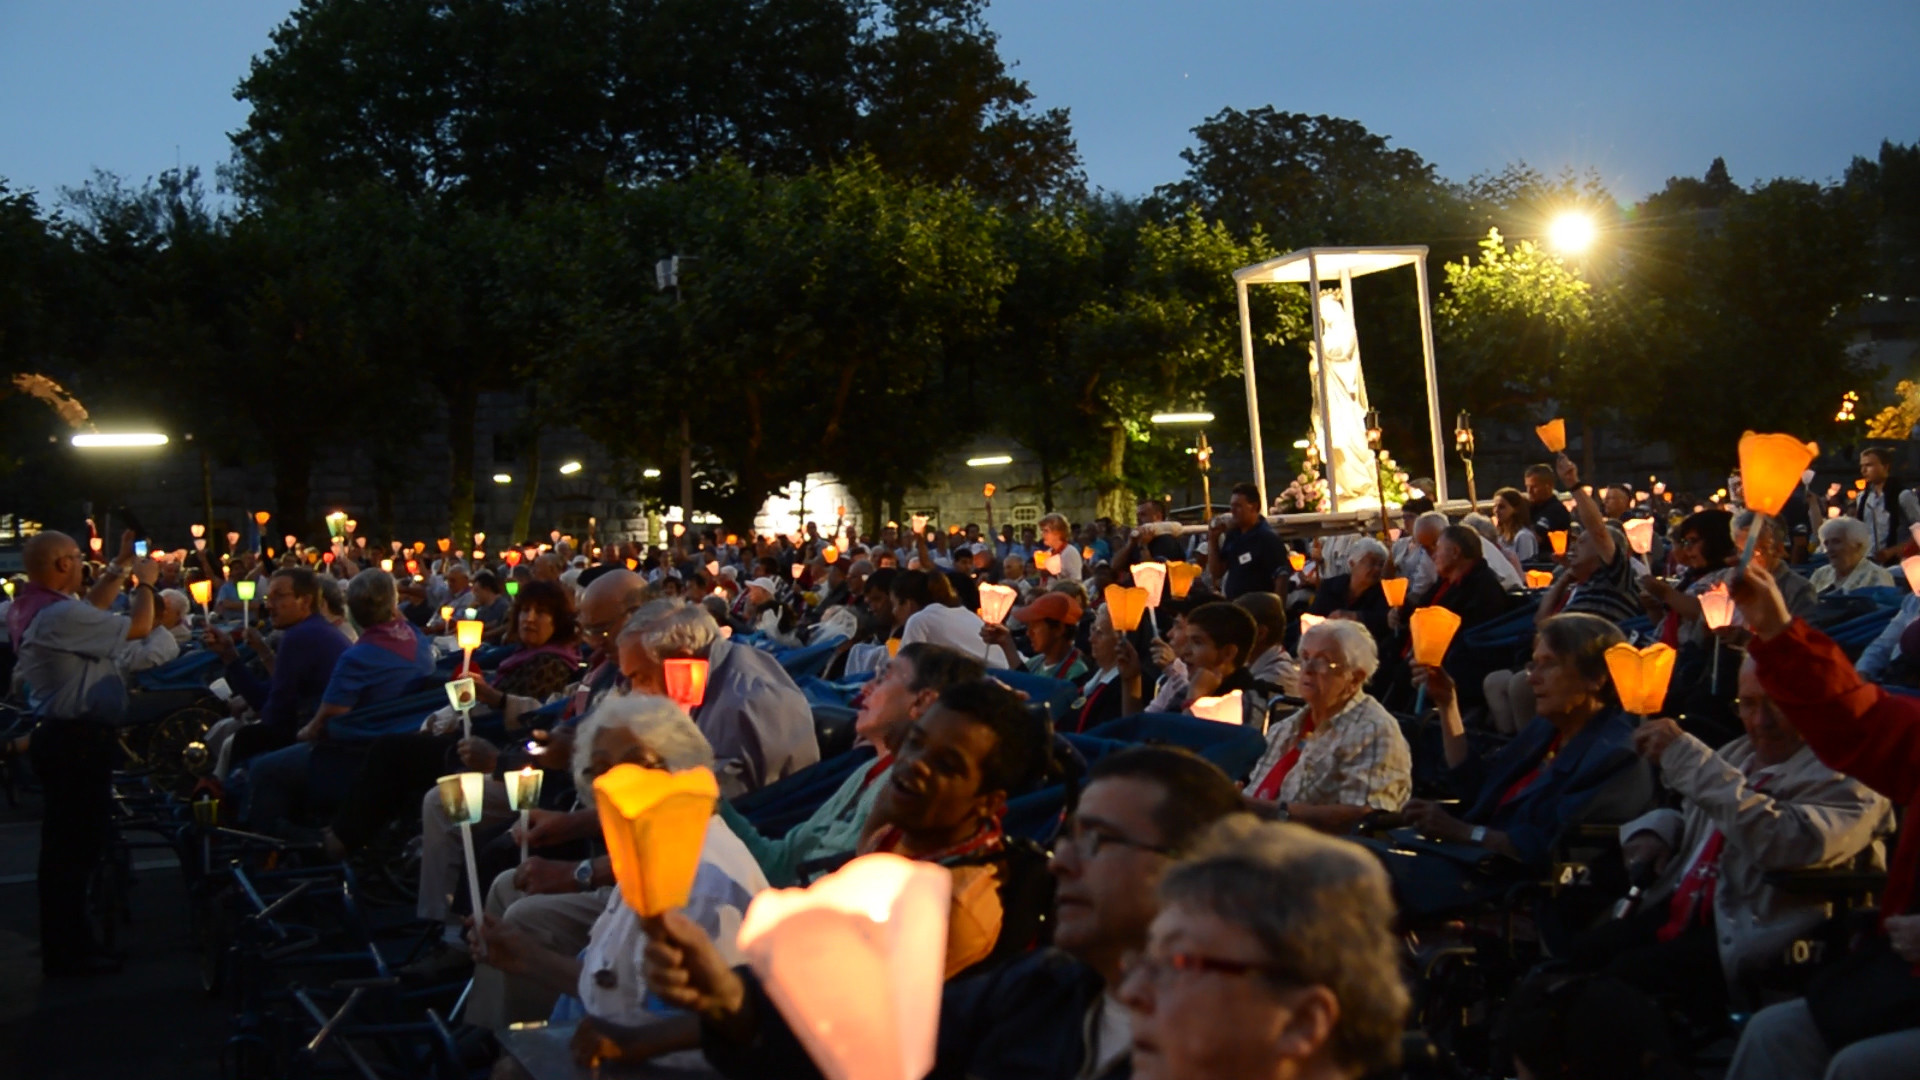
{"x":150,"y":1022}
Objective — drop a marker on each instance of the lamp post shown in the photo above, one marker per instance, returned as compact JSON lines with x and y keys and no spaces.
{"x":1202,"y":453}
{"x":1379,"y":473}
{"x":1463,"y":445}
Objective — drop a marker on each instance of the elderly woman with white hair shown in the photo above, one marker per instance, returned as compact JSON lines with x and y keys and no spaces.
{"x":1845,"y":540}
{"x":1356,"y":594}
{"x":1342,"y":755}
{"x":602,"y":986}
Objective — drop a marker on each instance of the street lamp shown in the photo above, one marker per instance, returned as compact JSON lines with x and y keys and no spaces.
{"x":570,"y":468}
{"x":990,"y":460}
{"x":118,"y":440}
{"x":1463,"y":445}
{"x":1202,"y":453}
{"x":1379,"y":472}
{"x":502,"y":478}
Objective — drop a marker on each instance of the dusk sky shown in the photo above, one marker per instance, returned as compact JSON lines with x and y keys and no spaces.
{"x":1636,"y":91}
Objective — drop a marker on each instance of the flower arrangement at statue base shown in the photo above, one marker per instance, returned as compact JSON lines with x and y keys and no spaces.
{"x":1307,"y":494}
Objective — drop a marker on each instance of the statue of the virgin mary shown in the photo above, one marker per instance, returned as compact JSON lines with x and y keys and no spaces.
{"x":1350,"y":466}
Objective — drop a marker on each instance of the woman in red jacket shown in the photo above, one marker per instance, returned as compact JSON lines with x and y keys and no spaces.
{"x":1861,"y":1018}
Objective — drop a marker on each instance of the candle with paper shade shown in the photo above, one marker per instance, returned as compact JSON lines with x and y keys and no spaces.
{"x":1433,"y":628}
{"x":1396,"y":590}
{"x":461,"y":796}
{"x":523,"y":794}
{"x":1910,"y":569}
{"x":893,"y":646}
{"x":1151,"y":576}
{"x":1554,"y":434}
{"x":197,"y":531}
{"x":244,"y":590}
{"x":855,"y":964}
{"x":1640,"y":676}
{"x":261,"y":517}
{"x":1225,"y":709}
{"x":1125,"y":607}
{"x":995,"y":602}
{"x":831,"y":554}
{"x":1539,"y":579}
{"x":292,"y":541}
{"x":511,"y":557}
{"x":1557,"y":539}
{"x":1051,"y":565}
{"x":798,"y":569}
{"x":386,"y":565}
{"x":1181,"y":576}
{"x":445,"y":545}
{"x":513,"y":589}
{"x":1770,"y":468}
{"x":467,"y":633}
{"x":655,"y":823}
{"x":1297,"y":560}
{"x":202,"y":593}
{"x":686,"y":678}
{"x":233,"y":541}
{"x":1640,"y":535}
{"x":1308,"y":621}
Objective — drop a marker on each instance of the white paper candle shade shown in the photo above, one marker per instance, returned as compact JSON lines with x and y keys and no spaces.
{"x":1151,"y":576}
{"x":461,"y":796}
{"x":1225,"y":709}
{"x":856,"y":963}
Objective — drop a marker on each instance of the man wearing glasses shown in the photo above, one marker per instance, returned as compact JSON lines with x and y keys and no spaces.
{"x":1051,"y":1013}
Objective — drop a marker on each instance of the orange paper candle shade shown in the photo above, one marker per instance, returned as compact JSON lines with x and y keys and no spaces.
{"x":197,"y":530}
{"x":202,"y":591}
{"x":1770,"y":468}
{"x":831,"y":554}
{"x":523,"y":788}
{"x":1433,"y":629}
{"x":988,"y":491}
{"x":995,"y":602}
{"x":468,"y":632}
{"x":1640,"y":535}
{"x":1396,"y":590}
{"x":1225,"y":709}
{"x":1910,"y":567}
{"x":893,"y":646}
{"x":633,"y":564}
{"x":1308,"y":621}
{"x":1151,"y":576}
{"x":1640,"y":676}
{"x":1297,"y":560}
{"x":462,"y":795}
{"x":261,"y":517}
{"x":1716,"y":607}
{"x":445,"y":545}
{"x":798,"y":569}
{"x":1539,"y":579}
{"x":419,"y":547}
{"x":655,"y":824}
{"x":292,"y":541}
{"x":1180,"y":578}
{"x":1554,"y":434}
{"x":686,"y":681}
{"x":1558,"y":539}
{"x":1125,"y":606}
{"x":855,"y":964}
{"x":511,"y":557}
{"x":413,"y":568}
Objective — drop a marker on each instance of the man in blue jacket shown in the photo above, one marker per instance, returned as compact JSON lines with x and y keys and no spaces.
{"x":1050,"y":1013}
{"x":309,"y":647}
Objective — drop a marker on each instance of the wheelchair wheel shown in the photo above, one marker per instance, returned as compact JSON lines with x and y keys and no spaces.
{"x":167,"y":744}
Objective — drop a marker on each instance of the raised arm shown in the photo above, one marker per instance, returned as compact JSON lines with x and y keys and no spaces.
{"x":1592,"y":518}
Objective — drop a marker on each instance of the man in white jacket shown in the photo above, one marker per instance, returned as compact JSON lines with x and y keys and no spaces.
{"x":1761,"y":803}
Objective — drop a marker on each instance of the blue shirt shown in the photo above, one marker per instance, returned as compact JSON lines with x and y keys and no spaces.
{"x":368,"y":674}
{"x":308,"y":650}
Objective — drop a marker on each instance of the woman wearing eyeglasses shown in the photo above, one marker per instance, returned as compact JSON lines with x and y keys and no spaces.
{"x":1342,"y":755}
{"x":1272,"y":956}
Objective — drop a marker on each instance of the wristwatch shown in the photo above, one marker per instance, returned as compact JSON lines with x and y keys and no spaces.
{"x":583,"y":875}
{"x":1478,"y":835}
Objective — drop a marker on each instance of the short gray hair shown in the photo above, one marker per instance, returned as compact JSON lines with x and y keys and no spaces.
{"x":1322,"y":910}
{"x":333,"y":595}
{"x":1363,"y":547}
{"x":177,"y":600}
{"x":1433,"y":519}
{"x":1850,"y":529}
{"x":688,"y":631}
{"x":1481,"y":524}
{"x":372,"y":598}
{"x":655,"y":721}
{"x":1352,"y":640}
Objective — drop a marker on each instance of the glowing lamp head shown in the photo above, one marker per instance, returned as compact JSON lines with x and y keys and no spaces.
{"x":798,"y":569}
{"x":1225,"y":709}
{"x":633,"y":564}
{"x":1640,"y":676}
{"x":386,"y":565}
{"x":513,"y":588}
{"x":1433,"y":629}
{"x":1554,"y":434}
{"x":467,"y":632}
{"x":997,"y":600}
{"x":1539,"y":579}
{"x":445,"y":544}
{"x":461,"y":796}
{"x":199,"y":543}
{"x":446,"y":613}
{"x":1558,"y":539}
{"x":201,"y":591}
{"x":479,"y":539}
{"x":419,"y":547}
{"x":244,"y":590}
{"x":1151,"y":576}
{"x":261,"y":517}
{"x":1180,"y":578}
{"x":96,"y":544}
{"x":1297,"y":560}
{"x":831,"y":554}
{"x":233,"y":540}
{"x":1770,"y":468}
{"x":988,"y":491}
{"x":686,"y":678}
{"x":1396,"y":590}
{"x":1125,"y":607}
{"x":1640,"y":535}
{"x":523,"y":788}
{"x":511,"y":557}
{"x":655,"y":824}
{"x":197,"y":530}
{"x":1716,"y":607}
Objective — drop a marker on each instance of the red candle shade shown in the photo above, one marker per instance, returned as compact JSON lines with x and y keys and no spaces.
{"x":687,"y":681}
{"x":511,"y":556}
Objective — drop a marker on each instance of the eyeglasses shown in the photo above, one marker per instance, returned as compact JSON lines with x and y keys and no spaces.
{"x":1088,"y":842}
{"x":1687,"y":542}
{"x":1320,"y":665}
{"x":1157,"y":970}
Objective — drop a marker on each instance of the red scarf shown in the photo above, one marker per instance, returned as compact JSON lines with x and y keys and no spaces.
{"x":986,"y":839}
{"x":1269,"y":788}
{"x":1520,"y":785}
{"x":1692,"y":901}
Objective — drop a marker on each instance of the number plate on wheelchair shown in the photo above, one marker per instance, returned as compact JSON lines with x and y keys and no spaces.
{"x":1571,"y":875}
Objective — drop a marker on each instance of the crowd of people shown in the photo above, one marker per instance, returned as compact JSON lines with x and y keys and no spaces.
{"x":1191,"y":922}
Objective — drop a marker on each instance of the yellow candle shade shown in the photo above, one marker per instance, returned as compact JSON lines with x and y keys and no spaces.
{"x":713,"y":568}
{"x":1308,"y":621}
{"x":1125,"y":606}
{"x":732,"y":539}
{"x":1151,"y":576}
{"x":1433,"y":629}
{"x":655,"y":824}
{"x":1181,"y":576}
{"x":855,"y":964}
{"x":995,"y":602}
{"x":1716,"y":607}
{"x":1554,"y":434}
{"x":523,"y":788}
{"x":1639,"y":535}
{"x":1396,"y":590}
{"x":1557,"y":538}
{"x":1640,"y":676}
{"x":1770,"y":468}
{"x":831,"y":554}
{"x":1297,"y":560}
{"x":1539,"y":579}
{"x":633,"y":564}
{"x":686,"y":680}
{"x":386,"y":565}
{"x":201,"y":591}
{"x":244,"y":590}
{"x":413,"y":568}
{"x":893,"y":646}
{"x":462,"y":796}
{"x":446,"y":613}
{"x":460,"y":693}
{"x":197,"y":530}
{"x":468,"y":632}
{"x":1225,"y":709}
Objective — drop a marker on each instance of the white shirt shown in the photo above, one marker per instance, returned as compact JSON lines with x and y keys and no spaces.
{"x":726,"y":882}
{"x":955,"y":627}
{"x":1110,"y":1036}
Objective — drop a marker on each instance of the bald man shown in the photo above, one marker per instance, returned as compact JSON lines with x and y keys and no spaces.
{"x":66,"y":648}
